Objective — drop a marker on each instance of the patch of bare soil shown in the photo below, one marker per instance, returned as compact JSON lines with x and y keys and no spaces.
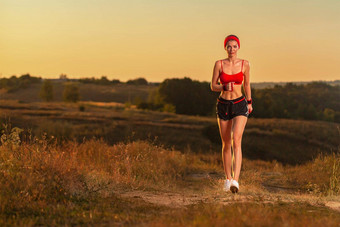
{"x":271,"y":192}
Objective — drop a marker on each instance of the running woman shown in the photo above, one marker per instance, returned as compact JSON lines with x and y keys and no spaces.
{"x":232,"y":108}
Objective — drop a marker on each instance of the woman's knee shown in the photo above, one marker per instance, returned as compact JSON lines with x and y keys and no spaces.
{"x":226,"y":141}
{"x":237,"y":140}
{"x":226,"y":145}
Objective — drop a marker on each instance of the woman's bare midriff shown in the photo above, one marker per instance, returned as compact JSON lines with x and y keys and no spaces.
{"x":230,"y":95}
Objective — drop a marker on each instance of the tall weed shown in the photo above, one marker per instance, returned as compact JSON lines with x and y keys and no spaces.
{"x":40,"y":174}
{"x":320,"y":176}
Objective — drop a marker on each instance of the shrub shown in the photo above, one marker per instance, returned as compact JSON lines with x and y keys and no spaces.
{"x":46,"y":92}
{"x":71,"y":93}
{"x":81,"y":108}
{"x":138,"y":81}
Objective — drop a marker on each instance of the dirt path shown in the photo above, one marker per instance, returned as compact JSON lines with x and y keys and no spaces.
{"x":270,"y":193}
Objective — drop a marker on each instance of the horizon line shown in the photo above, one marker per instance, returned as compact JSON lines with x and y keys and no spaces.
{"x":77,"y":78}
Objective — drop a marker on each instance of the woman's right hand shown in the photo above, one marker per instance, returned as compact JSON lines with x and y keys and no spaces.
{"x":229,"y":86}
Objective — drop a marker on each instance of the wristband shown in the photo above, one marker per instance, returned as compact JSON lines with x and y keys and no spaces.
{"x":224,"y":87}
{"x":250,"y":101}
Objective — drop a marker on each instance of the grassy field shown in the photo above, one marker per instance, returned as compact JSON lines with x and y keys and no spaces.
{"x":287,"y":141}
{"x":92,"y":183}
{"x":112,"y":164}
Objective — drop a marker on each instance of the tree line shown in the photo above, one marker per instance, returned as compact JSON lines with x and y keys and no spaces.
{"x":312,"y":101}
{"x":15,"y":83}
{"x":71,"y":88}
{"x":105,"y":81}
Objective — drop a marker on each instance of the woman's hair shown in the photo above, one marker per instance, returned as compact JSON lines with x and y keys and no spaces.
{"x":231,"y":37}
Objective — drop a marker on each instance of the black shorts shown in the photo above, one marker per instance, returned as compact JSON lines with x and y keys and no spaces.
{"x":228,"y":109}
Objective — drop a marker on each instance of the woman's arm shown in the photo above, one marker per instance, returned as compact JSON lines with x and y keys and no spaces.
{"x":215,"y":86}
{"x":246,"y":84}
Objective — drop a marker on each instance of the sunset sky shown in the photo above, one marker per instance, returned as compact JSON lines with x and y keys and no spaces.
{"x":284,"y":40}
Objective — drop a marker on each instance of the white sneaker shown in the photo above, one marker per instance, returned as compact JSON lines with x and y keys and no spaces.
{"x":234,"y":186}
{"x":227,"y":185}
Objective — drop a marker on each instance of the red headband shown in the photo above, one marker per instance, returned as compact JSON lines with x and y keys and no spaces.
{"x":231,"y":37}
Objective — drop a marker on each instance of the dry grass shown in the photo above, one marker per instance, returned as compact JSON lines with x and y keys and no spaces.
{"x":250,"y":214}
{"x":93,"y":166}
{"x":49,"y":181}
{"x":288,"y":141}
{"x":79,"y":183}
{"x":320,"y":176}
{"x":42,"y":178}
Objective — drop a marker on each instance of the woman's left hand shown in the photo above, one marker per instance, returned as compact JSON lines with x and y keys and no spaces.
{"x":250,"y":108}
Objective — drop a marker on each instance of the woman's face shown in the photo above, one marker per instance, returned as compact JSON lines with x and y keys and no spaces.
{"x":231,"y":47}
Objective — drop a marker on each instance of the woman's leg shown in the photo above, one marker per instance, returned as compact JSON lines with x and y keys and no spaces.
{"x":225,"y":132}
{"x":239,"y":123}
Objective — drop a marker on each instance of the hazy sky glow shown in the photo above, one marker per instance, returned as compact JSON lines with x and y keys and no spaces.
{"x":285,"y":40}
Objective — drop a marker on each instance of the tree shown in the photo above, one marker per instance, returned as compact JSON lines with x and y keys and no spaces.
{"x":188,"y":96}
{"x":138,"y":81}
{"x":104,"y":81}
{"x":71,"y":93}
{"x":14,"y":83}
{"x":63,"y":77}
{"x":46,"y":92}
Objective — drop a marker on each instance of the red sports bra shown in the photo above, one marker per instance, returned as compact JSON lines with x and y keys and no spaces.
{"x":226,"y":78}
